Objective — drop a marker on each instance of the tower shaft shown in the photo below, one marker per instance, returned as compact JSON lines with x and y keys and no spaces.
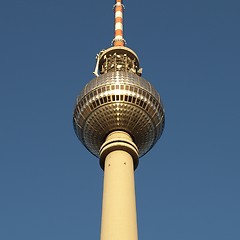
{"x":119,"y":220}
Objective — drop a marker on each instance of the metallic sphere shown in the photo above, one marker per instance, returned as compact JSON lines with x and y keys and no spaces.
{"x":118,"y":100}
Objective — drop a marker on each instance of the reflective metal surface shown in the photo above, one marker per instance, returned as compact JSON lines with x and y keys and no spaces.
{"x":118,"y":100}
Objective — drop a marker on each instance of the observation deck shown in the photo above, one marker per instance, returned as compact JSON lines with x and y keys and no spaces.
{"x":118,"y":99}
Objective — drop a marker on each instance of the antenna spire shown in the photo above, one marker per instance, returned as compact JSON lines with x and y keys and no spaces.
{"x":118,"y":39}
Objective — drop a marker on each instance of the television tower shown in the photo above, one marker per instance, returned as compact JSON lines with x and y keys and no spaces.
{"x":118,"y":117}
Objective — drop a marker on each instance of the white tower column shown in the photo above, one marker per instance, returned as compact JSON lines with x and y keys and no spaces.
{"x":119,"y":155}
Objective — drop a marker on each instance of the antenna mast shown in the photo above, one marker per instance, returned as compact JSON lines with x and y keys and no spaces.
{"x":118,"y":39}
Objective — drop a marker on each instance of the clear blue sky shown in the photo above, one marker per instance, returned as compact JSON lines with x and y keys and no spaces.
{"x":188,"y":186}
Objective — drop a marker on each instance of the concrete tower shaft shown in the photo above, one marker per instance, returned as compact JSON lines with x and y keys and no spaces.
{"x":119,"y":217}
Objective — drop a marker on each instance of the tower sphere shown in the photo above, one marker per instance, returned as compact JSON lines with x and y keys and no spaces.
{"x":118,"y":99}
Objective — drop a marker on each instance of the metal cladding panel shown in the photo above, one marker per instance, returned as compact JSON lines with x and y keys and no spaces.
{"x":118,"y":101}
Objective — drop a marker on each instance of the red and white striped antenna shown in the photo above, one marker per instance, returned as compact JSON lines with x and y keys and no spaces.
{"x":118,"y":39}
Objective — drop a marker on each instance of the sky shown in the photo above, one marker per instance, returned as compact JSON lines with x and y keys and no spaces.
{"x":188,"y":185}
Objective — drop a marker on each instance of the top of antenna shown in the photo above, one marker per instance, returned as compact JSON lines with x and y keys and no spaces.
{"x":118,"y":39}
